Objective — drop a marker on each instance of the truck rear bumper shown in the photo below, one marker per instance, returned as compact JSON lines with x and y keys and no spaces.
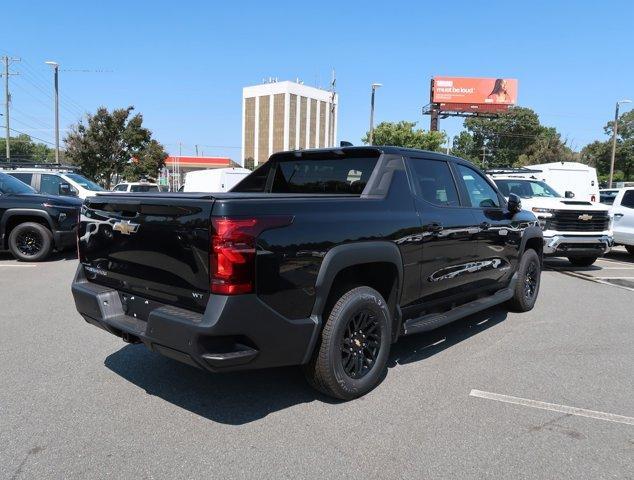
{"x":234,"y":333}
{"x":577,"y":245}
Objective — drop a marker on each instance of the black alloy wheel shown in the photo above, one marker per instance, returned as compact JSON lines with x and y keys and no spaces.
{"x":531,"y":279}
{"x":29,"y":242}
{"x":361,"y":344}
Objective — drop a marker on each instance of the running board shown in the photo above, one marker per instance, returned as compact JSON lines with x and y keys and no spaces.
{"x":435,"y":320}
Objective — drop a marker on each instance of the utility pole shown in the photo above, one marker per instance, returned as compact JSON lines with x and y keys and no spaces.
{"x":371,"y":134}
{"x":331,"y":120}
{"x":614,"y":133}
{"x":55,"y":66}
{"x":196,"y":150}
{"x":7,"y":100}
{"x":484,"y":156}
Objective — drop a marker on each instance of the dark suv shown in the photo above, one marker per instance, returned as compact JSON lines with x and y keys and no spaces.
{"x":32,"y":225}
{"x":320,"y":258}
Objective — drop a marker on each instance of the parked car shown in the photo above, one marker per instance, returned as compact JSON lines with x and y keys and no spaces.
{"x":54,"y":180}
{"x":32,"y":225}
{"x":136,"y":187}
{"x":214,"y":180}
{"x":622,"y":212}
{"x":321,"y":258}
{"x":576,"y":229}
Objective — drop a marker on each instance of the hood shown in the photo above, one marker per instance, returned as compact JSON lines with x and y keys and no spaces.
{"x":561,"y":204}
{"x":51,"y":199}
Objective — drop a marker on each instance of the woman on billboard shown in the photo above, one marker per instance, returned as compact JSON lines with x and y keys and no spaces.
{"x":500,"y":93}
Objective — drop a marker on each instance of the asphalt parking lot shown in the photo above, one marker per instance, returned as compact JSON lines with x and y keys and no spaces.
{"x":545,"y":394}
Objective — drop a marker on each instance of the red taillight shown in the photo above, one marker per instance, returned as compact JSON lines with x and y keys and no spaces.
{"x":232,"y":251}
{"x":593,"y":198}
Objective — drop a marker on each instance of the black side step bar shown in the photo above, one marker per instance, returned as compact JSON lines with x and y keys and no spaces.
{"x":435,"y":320}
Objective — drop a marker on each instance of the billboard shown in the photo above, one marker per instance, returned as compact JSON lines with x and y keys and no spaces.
{"x":474,"y":94}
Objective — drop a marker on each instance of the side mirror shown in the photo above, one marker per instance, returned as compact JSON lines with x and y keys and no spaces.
{"x":514,"y":203}
{"x":569,"y":194}
{"x":64,"y":189}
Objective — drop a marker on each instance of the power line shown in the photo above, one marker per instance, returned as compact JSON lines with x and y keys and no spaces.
{"x":31,"y":136}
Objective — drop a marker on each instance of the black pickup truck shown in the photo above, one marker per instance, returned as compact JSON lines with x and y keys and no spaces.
{"x":32,"y":225}
{"x":320,"y":258}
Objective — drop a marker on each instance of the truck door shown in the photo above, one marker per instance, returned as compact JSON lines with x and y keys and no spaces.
{"x":623,"y":214}
{"x":448,"y":231}
{"x":498,"y":236}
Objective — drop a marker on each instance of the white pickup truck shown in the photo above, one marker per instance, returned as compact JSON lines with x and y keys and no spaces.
{"x":621,"y":204}
{"x":577,"y":229}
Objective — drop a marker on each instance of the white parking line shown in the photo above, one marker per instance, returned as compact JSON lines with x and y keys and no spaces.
{"x":22,"y":266}
{"x":553,"y":407}
{"x":614,"y":278}
{"x":594,"y":279}
{"x":609,"y":260}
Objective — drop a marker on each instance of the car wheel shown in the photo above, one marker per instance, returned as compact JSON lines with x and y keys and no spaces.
{"x":582,"y":261}
{"x":351,"y":356}
{"x":30,"y":242}
{"x":528,"y":280}
{"x":630,"y":249}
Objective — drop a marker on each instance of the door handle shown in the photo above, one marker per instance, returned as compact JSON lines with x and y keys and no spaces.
{"x":619,"y":215}
{"x":434,"y":227}
{"x":485,"y":226}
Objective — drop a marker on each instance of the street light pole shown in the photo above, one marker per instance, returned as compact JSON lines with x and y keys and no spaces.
{"x":371,"y":136}
{"x":614,"y":133}
{"x":55,"y":66}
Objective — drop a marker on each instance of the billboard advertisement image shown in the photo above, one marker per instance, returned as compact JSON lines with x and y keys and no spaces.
{"x":484,"y":94}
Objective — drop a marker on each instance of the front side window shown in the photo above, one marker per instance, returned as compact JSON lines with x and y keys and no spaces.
{"x":628,"y":199}
{"x":84,"y":182}
{"x":50,"y":184}
{"x":435,"y":182}
{"x":144,"y":188}
{"x":481,"y":194}
{"x":122,"y":187}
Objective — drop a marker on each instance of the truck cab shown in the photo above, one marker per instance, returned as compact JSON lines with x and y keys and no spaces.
{"x":574,"y":228}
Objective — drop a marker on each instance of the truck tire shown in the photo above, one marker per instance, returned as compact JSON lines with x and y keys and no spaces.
{"x":630,"y":249}
{"x":351,"y":356}
{"x":528,"y":280}
{"x":582,"y":261}
{"x":30,"y":242}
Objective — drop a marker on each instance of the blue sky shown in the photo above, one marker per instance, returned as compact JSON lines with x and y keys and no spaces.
{"x":183,"y":64}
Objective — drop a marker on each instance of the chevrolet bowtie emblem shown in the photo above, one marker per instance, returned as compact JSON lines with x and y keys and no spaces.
{"x":585,"y":217}
{"x":125,"y":227}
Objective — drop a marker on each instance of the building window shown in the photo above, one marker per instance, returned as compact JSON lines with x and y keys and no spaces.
{"x":323,"y":111}
{"x":303,"y":101}
{"x":249,"y":128}
{"x":313,"y":123}
{"x":278,"y":122}
{"x":292,"y":122}
{"x":263,"y":129}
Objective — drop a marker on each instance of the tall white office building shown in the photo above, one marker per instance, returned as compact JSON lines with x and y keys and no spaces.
{"x":286,"y":115}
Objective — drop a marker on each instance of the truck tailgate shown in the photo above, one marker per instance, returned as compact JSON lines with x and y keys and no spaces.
{"x":155,"y":246}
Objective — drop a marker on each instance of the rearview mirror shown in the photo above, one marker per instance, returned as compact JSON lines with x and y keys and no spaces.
{"x":569,"y":194}
{"x":514,"y":203}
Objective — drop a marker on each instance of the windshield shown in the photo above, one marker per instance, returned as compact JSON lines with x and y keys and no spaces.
{"x":84,"y":182}
{"x":10,"y":185}
{"x":526,"y":188}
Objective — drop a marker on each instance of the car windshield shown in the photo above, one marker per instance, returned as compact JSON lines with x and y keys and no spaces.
{"x":84,"y":182}
{"x":525,"y":188}
{"x":10,"y":185}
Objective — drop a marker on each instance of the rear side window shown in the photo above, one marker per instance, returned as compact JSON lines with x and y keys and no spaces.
{"x":23,"y":177}
{"x":481,"y":194}
{"x":435,"y":182}
{"x":628,"y":199}
{"x":121,"y":188}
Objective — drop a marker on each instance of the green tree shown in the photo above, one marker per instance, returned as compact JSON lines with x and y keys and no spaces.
{"x":23,"y":148}
{"x":513,"y":138}
{"x":598,"y":154}
{"x":114,"y":142}
{"x":403,"y":134}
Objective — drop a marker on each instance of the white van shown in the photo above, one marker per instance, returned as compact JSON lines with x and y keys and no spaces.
{"x":564,"y":177}
{"x":215,"y":180}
